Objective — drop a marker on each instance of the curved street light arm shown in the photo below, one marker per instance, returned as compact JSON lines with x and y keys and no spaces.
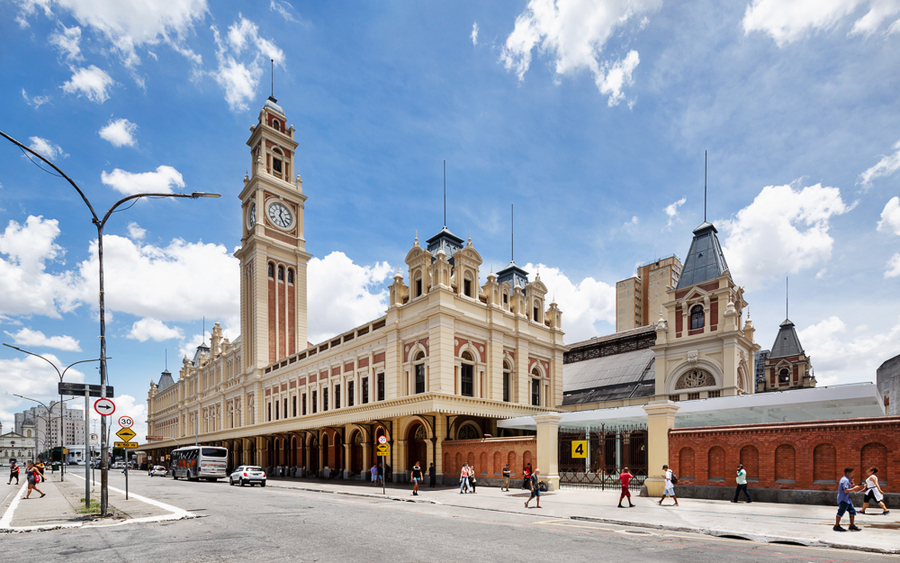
{"x":79,"y":362}
{"x":194,"y":195}
{"x":60,"y":172}
{"x":36,"y":356}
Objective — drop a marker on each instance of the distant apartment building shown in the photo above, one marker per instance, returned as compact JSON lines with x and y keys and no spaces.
{"x":640,"y":299}
{"x":46,"y":425}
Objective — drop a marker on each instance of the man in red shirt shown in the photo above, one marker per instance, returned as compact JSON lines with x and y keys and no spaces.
{"x":625,"y":477}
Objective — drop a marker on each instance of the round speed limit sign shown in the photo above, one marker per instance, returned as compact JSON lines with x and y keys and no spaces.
{"x":126,"y":421}
{"x":382,"y":439}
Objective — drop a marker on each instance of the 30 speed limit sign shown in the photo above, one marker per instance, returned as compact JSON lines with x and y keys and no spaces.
{"x":126,"y":421}
{"x":382,"y":440}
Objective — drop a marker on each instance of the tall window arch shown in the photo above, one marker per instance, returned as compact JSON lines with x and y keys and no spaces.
{"x":419,"y":369}
{"x":271,"y":270}
{"x":536,"y":387}
{"x":467,"y":375}
{"x":696,"y":317}
{"x":280,"y":273}
{"x":417,"y":284}
{"x":784,"y":376}
{"x":290,"y":275}
{"x":507,"y":381}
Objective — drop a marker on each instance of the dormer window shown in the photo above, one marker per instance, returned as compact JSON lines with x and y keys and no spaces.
{"x":696,"y":317}
{"x":276,"y":125}
{"x":784,"y":377}
{"x":467,"y":287}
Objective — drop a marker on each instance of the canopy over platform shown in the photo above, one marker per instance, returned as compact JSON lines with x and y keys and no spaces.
{"x":855,"y":400}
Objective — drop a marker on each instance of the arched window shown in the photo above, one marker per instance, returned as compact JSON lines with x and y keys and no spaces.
{"x":467,"y":285}
{"x":536,"y":387}
{"x":290,"y":275}
{"x":276,"y":125}
{"x":271,"y":270}
{"x":468,"y":432}
{"x":696,"y":317}
{"x":280,"y":273}
{"x":324,"y":399}
{"x":507,"y":381}
{"x":418,"y":284}
{"x":467,"y":375}
{"x":784,"y":377}
{"x":420,"y":372}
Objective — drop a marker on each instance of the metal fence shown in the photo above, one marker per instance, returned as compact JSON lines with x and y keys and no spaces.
{"x":608,"y":451}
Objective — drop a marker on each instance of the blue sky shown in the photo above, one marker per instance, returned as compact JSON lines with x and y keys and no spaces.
{"x":591,"y":117}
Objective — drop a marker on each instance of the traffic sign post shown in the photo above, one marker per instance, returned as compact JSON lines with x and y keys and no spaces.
{"x":383,"y":450}
{"x":579,"y":449}
{"x":125,"y":445}
{"x":126,"y":421}
{"x":126,"y":434}
{"x":104,"y":407}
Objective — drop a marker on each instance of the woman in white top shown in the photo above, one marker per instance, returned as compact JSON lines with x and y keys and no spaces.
{"x":874,"y":493}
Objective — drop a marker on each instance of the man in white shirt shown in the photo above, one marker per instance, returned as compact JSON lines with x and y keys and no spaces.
{"x":741,"y":480}
{"x":669,"y":491}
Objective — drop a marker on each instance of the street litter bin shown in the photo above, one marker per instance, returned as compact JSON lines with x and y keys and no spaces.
{"x":55,"y":467}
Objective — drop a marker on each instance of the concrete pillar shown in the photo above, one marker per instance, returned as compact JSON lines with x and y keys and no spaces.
{"x":398,"y":466}
{"x":548,"y":448}
{"x":347,"y":460}
{"x":660,"y":419}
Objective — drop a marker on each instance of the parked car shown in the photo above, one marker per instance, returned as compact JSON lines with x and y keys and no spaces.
{"x":158,"y":471}
{"x":248,"y":474}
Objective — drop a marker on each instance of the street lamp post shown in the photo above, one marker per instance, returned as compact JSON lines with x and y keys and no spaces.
{"x":100,"y":224}
{"x":48,"y":419}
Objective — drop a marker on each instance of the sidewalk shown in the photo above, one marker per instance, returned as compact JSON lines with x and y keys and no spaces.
{"x":60,"y":507}
{"x":761,"y":522}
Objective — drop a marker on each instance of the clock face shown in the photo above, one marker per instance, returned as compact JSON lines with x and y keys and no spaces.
{"x":251,"y":217}
{"x":280,"y":215}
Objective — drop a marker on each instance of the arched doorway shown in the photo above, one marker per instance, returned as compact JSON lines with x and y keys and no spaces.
{"x":313,"y":465}
{"x":338,"y":468}
{"x":416,"y":447}
{"x":356,"y":453}
{"x":326,"y":458}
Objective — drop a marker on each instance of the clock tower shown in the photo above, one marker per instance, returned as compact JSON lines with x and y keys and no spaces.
{"x":273,"y":253}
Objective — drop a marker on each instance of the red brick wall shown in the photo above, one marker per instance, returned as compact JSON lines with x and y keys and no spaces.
{"x":791,"y":455}
{"x":489,"y":455}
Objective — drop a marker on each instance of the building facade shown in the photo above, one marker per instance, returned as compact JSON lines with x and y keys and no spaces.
{"x":887,"y":377}
{"x":18,"y":446}
{"x":447,"y":360}
{"x":46,"y":424}
{"x":786,"y":365}
{"x":640,"y":298}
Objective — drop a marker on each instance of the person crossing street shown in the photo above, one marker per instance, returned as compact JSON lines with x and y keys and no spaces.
{"x":13,"y":472}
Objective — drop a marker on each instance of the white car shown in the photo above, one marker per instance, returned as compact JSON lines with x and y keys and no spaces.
{"x":248,"y":475}
{"x":158,"y":471}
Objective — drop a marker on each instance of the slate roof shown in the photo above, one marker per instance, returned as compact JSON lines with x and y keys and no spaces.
{"x":705,"y":260}
{"x":165,"y":381}
{"x":786,"y":343}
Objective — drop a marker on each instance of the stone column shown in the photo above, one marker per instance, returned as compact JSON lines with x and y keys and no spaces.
{"x":548,"y":448}
{"x":347,"y":454}
{"x":398,"y":465}
{"x":660,"y":419}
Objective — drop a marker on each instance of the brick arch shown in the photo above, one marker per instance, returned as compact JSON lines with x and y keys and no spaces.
{"x":880,"y":437}
{"x":686,"y":463}
{"x":511,"y":460}
{"x":716,"y":463}
{"x":750,"y":460}
{"x":526,"y":459}
{"x":785,"y":463}
{"x":874,"y":454}
{"x":446,"y":468}
{"x":471,"y":458}
{"x":825,"y":470}
{"x":459,"y":462}
{"x":483,"y":464}
{"x":495,"y":469}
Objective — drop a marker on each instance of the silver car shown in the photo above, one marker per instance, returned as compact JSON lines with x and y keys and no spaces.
{"x":248,"y":474}
{"x":158,"y":471}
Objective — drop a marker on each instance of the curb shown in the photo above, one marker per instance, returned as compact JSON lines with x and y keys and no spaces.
{"x":742,"y":535}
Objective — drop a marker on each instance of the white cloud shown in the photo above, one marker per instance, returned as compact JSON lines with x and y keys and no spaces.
{"x":36,"y":101}
{"x":282,"y":9}
{"x":883,"y":168}
{"x":240,"y":77}
{"x":588,"y":307}
{"x":631,"y":225}
{"x":36,"y":339}
{"x":787,"y":21}
{"x":782,"y":231}
{"x":24,"y":283}
{"x":91,"y":81}
{"x":672,"y":211}
{"x":893,"y":267}
{"x":135,"y":232}
{"x":31,"y":377}
{"x":343,"y":294}
{"x":890,"y":217}
{"x":179,"y":282}
{"x":46,"y":148}
{"x":153,"y":329}
{"x":574,"y":33}
{"x":119,"y":132}
{"x":840,"y":355}
{"x":67,"y":41}
{"x":161,"y":181}
{"x":474,"y":34}
{"x":127,"y":24}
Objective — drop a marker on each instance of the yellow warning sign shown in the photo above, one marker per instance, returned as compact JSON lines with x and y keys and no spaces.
{"x":579,"y":449}
{"x":126,"y":445}
{"x":126,"y":434}
{"x":383,"y":450}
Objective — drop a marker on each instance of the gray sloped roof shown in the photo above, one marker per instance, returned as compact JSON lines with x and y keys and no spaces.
{"x":618,"y":369}
{"x":705,"y":260}
{"x":165,"y":381}
{"x":787,"y":343}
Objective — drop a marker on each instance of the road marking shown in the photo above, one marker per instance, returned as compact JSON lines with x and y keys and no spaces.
{"x":7,"y":516}
{"x":177,"y":513}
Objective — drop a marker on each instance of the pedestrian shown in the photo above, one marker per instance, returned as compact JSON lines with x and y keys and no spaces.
{"x":472,"y":478}
{"x":741,"y":484}
{"x":40,"y":468}
{"x":505,"y":486}
{"x":416,"y":476}
{"x":845,"y":487}
{"x":669,"y":491}
{"x":625,"y":478}
{"x":374,"y":472}
{"x":874,"y":493}
{"x":432,"y":475}
{"x":464,"y":479}
{"x":526,"y":473}
{"x":33,"y":476}
{"x":381,"y":473}
{"x":535,"y":488}
{"x":13,"y":472}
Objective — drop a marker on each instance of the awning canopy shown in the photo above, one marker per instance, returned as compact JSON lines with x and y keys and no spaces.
{"x":855,"y":400}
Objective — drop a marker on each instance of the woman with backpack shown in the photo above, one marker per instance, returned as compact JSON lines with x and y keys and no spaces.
{"x":33,"y":476}
{"x":669,"y":491}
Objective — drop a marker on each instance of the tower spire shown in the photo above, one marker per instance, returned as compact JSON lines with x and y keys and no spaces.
{"x":445,"y":193}
{"x":786,"y":295}
{"x":272,"y":74}
{"x":512,"y":232}
{"x":705,"y":167}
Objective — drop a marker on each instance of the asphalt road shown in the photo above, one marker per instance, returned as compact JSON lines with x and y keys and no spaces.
{"x":279,"y":524}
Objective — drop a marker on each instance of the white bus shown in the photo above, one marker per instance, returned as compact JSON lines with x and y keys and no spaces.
{"x":199,"y":462}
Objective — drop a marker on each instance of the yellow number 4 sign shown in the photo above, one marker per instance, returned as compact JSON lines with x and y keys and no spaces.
{"x":579,"y":448}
